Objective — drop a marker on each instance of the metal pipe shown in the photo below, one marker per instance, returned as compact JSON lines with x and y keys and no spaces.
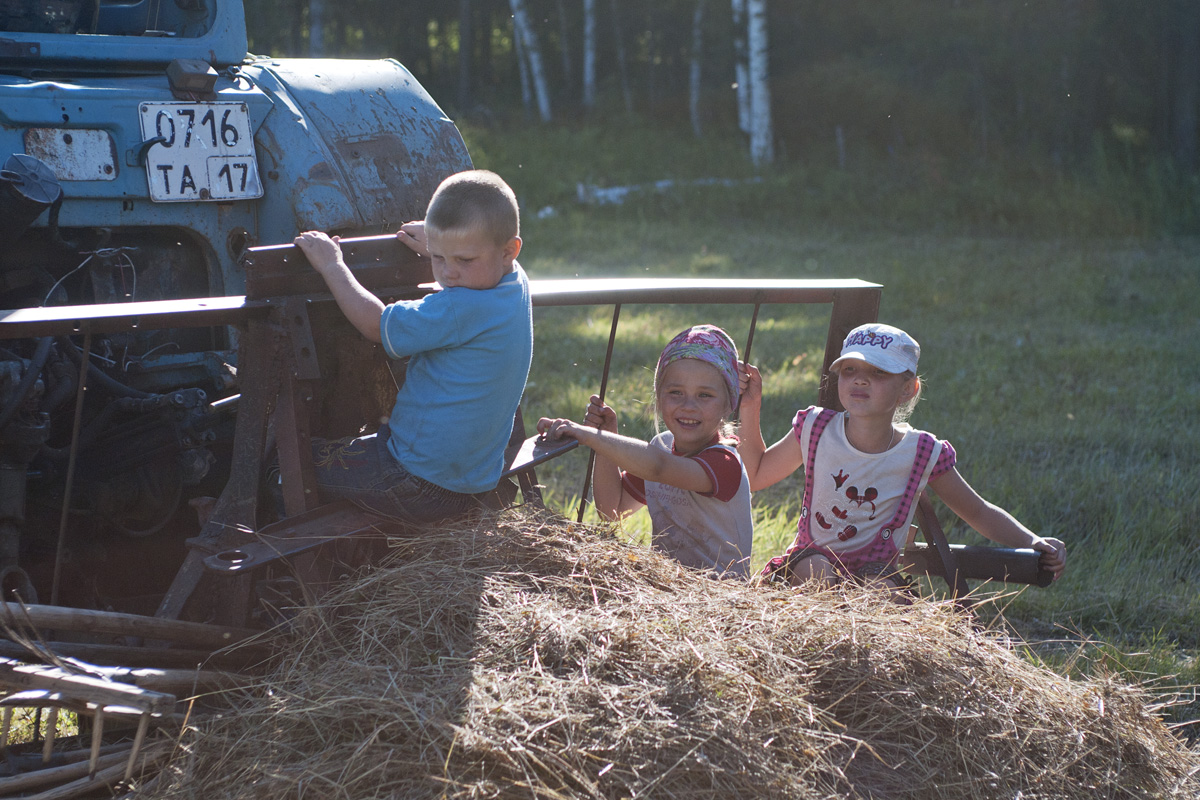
{"x":746,"y":352}
{"x":591,"y":464}
{"x":66,"y":507}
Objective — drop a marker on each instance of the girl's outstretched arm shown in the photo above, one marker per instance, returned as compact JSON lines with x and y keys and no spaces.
{"x":764,"y":466}
{"x":615,"y":453}
{"x":633,"y":455}
{"x":994,"y":522}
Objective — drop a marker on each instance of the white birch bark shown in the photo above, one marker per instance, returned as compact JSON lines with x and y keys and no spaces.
{"x":522,"y":70}
{"x":762,"y":140}
{"x":316,"y":28}
{"x":694,"y":71}
{"x":564,"y":44}
{"x":741,"y":65}
{"x":589,"y":54}
{"x":533,"y":54}
{"x":622,"y":66}
{"x":466,"y":53}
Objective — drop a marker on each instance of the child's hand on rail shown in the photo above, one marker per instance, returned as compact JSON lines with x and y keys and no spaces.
{"x":1054,"y":554}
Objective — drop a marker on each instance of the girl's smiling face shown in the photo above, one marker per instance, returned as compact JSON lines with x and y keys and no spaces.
{"x":693,"y":402}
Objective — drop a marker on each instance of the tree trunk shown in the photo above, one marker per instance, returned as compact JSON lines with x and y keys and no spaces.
{"x":1187,"y":76}
{"x":316,"y":28}
{"x":522,"y":70}
{"x":622,"y":66}
{"x":741,"y":65}
{"x":694,"y":72}
{"x":589,"y":54}
{"x":533,"y":54}
{"x":466,"y":54}
{"x":564,"y":48}
{"x":762,"y":140}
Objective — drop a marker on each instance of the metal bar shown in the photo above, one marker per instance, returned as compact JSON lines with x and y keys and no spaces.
{"x":21,"y":323}
{"x":202,"y":312}
{"x":298,"y":534}
{"x":932,"y":529}
{"x":750,"y":337}
{"x":75,"y":428}
{"x":605,"y":291}
{"x":591,"y":464}
{"x":376,"y":261}
{"x":980,"y":562}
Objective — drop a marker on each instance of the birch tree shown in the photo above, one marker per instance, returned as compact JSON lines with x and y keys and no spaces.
{"x":694,"y":71}
{"x":522,"y":69}
{"x":741,"y":65}
{"x":466,"y":52}
{"x":564,"y":43}
{"x":589,"y":54}
{"x":622,"y":66}
{"x":762,"y":140}
{"x":1183,"y":133}
{"x":316,"y":28}
{"x":523,"y":32}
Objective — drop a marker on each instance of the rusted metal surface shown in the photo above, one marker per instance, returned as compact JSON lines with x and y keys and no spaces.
{"x":79,"y":154}
{"x":295,"y":369}
{"x":379,"y":263}
{"x":981,"y":562}
{"x":605,"y":291}
{"x":297,"y":534}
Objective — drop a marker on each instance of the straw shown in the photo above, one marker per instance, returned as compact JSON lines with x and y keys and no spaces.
{"x":526,"y":656}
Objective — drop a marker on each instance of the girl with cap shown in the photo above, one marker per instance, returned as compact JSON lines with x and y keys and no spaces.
{"x":690,"y":477}
{"x":865,"y":467}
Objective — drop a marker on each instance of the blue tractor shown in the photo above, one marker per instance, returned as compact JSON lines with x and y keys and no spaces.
{"x":142,"y":151}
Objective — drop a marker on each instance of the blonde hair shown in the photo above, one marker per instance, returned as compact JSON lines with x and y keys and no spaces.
{"x":905,"y":409}
{"x":475,"y":200}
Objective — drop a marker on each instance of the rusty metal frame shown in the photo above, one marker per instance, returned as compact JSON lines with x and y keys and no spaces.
{"x":276,"y":337}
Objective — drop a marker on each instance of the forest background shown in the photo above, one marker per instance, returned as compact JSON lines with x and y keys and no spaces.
{"x":1020,"y":176}
{"x":1050,"y":87}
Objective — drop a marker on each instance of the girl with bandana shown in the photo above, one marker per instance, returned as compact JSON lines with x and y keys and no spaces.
{"x":690,"y":477}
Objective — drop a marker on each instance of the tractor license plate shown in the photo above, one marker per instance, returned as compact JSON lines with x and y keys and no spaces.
{"x":204,"y":151}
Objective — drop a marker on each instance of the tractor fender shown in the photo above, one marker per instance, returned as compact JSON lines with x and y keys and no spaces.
{"x":350,"y":146}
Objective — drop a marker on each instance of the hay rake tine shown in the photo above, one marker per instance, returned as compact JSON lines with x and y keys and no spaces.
{"x":749,"y":344}
{"x":84,"y":360}
{"x":591,"y":464}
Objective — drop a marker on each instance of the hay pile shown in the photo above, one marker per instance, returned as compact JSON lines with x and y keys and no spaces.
{"x":527,"y":657}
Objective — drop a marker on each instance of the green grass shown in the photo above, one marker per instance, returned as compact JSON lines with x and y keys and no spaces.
{"x":1061,"y":361}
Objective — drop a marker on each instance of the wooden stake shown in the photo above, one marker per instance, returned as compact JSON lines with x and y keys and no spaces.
{"x":97,"y":738}
{"x":48,"y":738}
{"x":143,"y":724}
{"x":5,"y":726}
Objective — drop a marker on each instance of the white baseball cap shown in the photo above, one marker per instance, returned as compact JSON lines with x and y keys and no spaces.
{"x":883,"y":346}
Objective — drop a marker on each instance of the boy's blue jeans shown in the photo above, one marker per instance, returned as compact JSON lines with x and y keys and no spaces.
{"x":362,"y":470}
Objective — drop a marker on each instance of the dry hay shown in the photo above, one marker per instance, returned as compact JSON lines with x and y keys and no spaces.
{"x":527,"y":657}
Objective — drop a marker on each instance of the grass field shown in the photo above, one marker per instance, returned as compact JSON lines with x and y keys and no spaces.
{"x":1059,"y":357}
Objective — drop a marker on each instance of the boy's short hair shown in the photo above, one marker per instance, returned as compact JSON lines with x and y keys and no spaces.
{"x":475,"y":200}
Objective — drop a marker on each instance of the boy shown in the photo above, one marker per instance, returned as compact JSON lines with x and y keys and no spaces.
{"x":469,"y":347}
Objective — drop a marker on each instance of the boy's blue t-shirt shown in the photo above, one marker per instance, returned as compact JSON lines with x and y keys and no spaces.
{"x":470,"y":354}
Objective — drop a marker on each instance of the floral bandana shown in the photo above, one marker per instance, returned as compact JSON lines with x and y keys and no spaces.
{"x":709,"y":344}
